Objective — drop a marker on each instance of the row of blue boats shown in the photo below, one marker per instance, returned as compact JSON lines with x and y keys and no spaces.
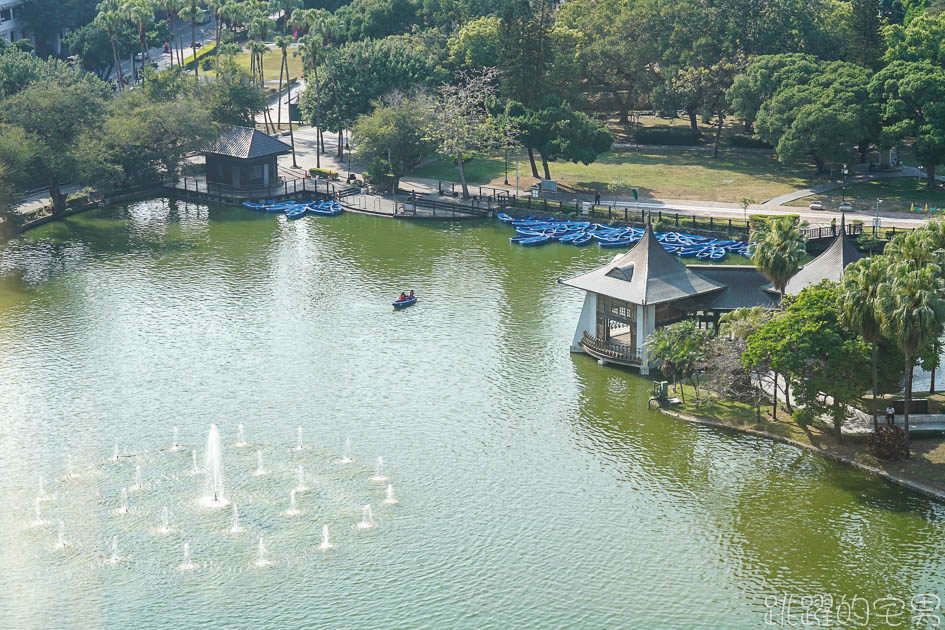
{"x":297,"y":210}
{"x":532,"y":231}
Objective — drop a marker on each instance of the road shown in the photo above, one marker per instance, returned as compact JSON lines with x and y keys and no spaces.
{"x":206,"y":33}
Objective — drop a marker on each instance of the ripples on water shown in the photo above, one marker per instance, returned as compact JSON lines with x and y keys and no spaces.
{"x":535,"y":489}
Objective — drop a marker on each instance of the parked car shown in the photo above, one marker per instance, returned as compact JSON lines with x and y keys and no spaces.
{"x":816,"y":205}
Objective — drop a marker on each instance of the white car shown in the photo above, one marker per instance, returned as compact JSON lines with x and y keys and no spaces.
{"x":816,"y":205}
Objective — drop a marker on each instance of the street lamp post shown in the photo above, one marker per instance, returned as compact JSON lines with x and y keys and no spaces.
{"x":845,"y":172}
{"x":876,"y":218}
{"x":506,"y":166}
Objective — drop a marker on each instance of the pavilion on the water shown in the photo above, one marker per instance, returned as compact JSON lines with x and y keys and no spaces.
{"x":647,"y":288}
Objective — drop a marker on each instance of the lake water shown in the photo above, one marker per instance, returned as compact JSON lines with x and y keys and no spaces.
{"x":535,"y":489}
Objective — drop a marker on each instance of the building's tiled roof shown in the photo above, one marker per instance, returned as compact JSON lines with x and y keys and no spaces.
{"x":828,"y":266}
{"x":246,"y":143}
{"x":647,"y":274}
{"x":745,"y":287}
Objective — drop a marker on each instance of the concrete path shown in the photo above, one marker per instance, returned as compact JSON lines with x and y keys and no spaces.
{"x":33,"y":202}
{"x":905,"y":171}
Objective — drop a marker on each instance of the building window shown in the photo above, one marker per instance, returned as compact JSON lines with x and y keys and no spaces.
{"x":256,"y":172}
{"x":5,"y":15}
{"x":616,"y":309}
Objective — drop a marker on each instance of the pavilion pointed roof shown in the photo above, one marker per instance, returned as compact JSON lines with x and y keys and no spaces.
{"x":647,"y":274}
{"x":829,"y":265}
{"x":246,"y":143}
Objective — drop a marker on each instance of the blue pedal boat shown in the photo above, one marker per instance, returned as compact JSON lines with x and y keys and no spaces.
{"x":405,"y":303}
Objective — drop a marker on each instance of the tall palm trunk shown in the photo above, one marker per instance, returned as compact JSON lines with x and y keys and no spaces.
{"x":905,"y":414}
{"x":932,"y":380}
{"x":193,"y":44}
{"x":319,"y":142}
{"x":117,"y":63}
{"x":282,"y":68}
{"x":875,"y":417}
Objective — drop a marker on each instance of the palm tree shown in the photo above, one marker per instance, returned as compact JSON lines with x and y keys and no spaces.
{"x":217,"y":7}
{"x":777,"y":247}
{"x":109,"y":18}
{"x":170,"y":8}
{"x":190,"y":13}
{"x":141,"y":13}
{"x":911,"y":309}
{"x":282,"y":42}
{"x":857,"y":301}
{"x":286,"y":7}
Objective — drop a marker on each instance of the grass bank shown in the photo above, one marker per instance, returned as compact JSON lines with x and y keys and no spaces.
{"x":658,"y":174}
{"x":925,"y":467}
{"x":897,"y":194}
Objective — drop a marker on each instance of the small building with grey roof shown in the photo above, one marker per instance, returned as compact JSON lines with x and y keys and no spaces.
{"x":648,"y":288}
{"x":242,"y":157}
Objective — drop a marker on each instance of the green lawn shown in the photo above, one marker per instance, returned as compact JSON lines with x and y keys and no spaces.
{"x":896,"y":193}
{"x":272,"y":59}
{"x":668,"y":174}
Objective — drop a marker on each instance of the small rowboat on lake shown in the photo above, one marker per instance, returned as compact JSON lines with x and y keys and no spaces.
{"x":405,"y":303}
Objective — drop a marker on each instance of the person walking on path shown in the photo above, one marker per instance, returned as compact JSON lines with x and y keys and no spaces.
{"x":890,"y":415}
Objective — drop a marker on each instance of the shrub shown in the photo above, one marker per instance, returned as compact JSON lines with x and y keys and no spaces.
{"x":674,"y":136}
{"x":201,"y":53}
{"x":322,"y":172}
{"x":889,"y":443}
{"x":663,"y":226}
{"x":869,"y":243}
{"x":748,"y":142}
{"x":206,"y":64}
{"x":866,"y":459}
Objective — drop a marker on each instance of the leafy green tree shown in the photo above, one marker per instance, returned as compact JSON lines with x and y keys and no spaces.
{"x":866,"y":45}
{"x":679,"y":349}
{"x":361,"y":72}
{"x":912,"y":98}
{"x":395,"y":133}
{"x":45,"y":20}
{"x":764,"y":77}
{"x":377,"y":19}
{"x":920,"y":41}
{"x":53,"y":116}
{"x":857,"y":303}
{"x":233,"y":98}
{"x":825,"y":118}
{"x":912,"y":309}
{"x":525,"y":51}
{"x":92,"y":44}
{"x":570,"y":135}
{"x":821,"y":359}
{"x":460,"y":123}
{"x":140,"y":140}
{"x":476,"y":45}
{"x":282,"y":42}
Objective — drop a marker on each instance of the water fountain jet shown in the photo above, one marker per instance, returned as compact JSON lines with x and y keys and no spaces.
{"x":293,"y":507}
{"x":262,"y":560}
{"x":235,"y":528}
{"x":39,"y":513}
{"x":187,"y":564}
{"x":123,"y":507}
{"x":60,"y":539}
{"x":240,"y":437}
{"x":367,"y":519}
{"x":346,"y":455}
{"x":213,"y":465}
{"x":260,"y":470}
{"x":390,"y":500}
{"x":195,"y":470}
{"x":137,"y":484}
{"x":325,"y":546}
{"x":299,"y":446}
{"x":115,"y":558}
{"x":378,"y":471}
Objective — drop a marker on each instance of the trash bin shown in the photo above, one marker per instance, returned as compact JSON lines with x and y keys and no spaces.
{"x":586,"y":207}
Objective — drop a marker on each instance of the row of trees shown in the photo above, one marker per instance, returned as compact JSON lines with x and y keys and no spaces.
{"x":888,"y":313}
{"x":61,"y":125}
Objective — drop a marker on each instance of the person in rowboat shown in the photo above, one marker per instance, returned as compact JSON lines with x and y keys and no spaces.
{"x":402,"y":297}
{"x":411,"y":296}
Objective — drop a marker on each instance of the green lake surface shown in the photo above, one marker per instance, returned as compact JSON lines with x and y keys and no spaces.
{"x":535,"y":489}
